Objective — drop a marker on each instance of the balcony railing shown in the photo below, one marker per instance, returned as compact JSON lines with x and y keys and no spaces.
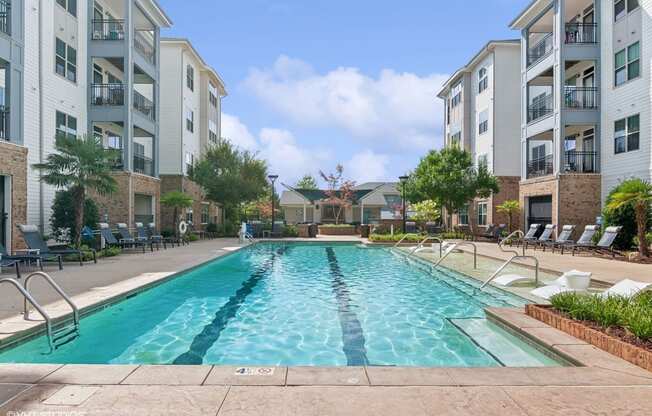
{"x":144,"y":105}
{"x":4,"y":123}
{"x":540,"y":49}
{"x":107,"y":94}
{"x":144,"y":47}
{"x":108,"y":29}
{"x":581,"y":33}
{"x":5,"y":16}
{"x":542,"y":166}
{"x":540,"y":109}
{"x":117,"y":162}
{"x":580,"y":161}
{"x":144,"y":165}
{"x":581,"y":97}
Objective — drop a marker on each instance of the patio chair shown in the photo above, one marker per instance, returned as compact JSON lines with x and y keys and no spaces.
{"x":585,"y":239}
{"x":604,"y":246}
{"x":627,"y":288}
{"x":531,"y":234}
{"x":572,"y":278}
{"x":143,"y":235}
{"x":487,"y":233}
{"x":23,"y":258}
{"x":563,"y":238}
{"x":573,"y":281}
{"x":155,"y":235}
{"x":129,"y":241}
{"x":6,"y":263}
{"x":34,"y":241}
{"x":545,"y":237}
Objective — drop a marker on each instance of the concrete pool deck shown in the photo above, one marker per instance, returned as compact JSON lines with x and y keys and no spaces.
{"x":602,"y":384}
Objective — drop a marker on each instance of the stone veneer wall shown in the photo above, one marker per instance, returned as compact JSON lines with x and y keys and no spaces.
{"x":181,"y":183}
{"x":13,"y":163}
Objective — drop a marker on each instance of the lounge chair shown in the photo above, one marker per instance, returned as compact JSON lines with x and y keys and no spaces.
{"x":585,"y":239}
{"x":562,"y":239}
{"x":605,"y":245}
{"x":487,"y":233}
{"x":6,"y":263}
{"x":155,"y":235}
{"x":545,"y":237}
{"x":573,"y":276}
{"x":23,"y":258}
{"x":466,"y":231}
{"x":129,"y":241}
{"x":143,"y":235}
{"x":34,"y":241}
{"x":627,"y":288}
{"x":572,"y":281}
{"x":531,"y":234}
{"x":109,"y":238}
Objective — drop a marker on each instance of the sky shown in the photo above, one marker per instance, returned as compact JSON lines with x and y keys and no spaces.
{"x":312,"y":84}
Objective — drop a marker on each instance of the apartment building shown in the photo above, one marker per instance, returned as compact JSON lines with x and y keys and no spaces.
{"x":482,"y":107}
{"x":13,"y":150}
{"x":190,"y":124}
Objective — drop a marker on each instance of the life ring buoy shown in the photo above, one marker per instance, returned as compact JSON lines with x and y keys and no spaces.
{"x":183,"y":227}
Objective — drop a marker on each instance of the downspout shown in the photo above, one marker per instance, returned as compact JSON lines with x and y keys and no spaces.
{"x":41,"y":117}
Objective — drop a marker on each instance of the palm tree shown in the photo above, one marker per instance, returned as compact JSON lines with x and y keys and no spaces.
{"x":176,"y":200}
{"x":638,"y":194}
{"x":510,"y":208}
{"x":79,"y":165}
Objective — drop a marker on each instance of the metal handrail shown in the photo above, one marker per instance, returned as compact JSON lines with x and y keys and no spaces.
{"x":509,"y":237}
{"x":462,"y":243}
{"x":57,"y":288}
{"x":250,"y":238}
{"x":422,"y":243}
{"x":403,"y":239}
{"x":28,"y":298}
{"x":510,"y":261}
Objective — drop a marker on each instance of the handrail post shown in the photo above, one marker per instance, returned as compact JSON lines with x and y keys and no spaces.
{"x":57,"y":289}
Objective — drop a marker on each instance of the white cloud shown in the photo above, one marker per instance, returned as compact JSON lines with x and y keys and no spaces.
{"x":399,"y":109}
{"x":237,"y":133}
{"x":368,"y":166}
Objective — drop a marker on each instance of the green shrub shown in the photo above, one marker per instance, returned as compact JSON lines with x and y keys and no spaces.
{"x":290,"y":231}
{"x":63,"y":215}
{"x":87,"y":255}
{"x":110,"y":252}
{"x":167,"y":233}
{"x":388,"y":238}
{"x":624,"y":217}
{"x":211,"y":228}
{"x":192,"y":237}
{"x":337,"y":226}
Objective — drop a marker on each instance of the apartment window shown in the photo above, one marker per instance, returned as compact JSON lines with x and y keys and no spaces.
{"x":483,"y":162}
{"x":483,"y":122}
{"x":622,"y":7}
{"x":627,"y":134}
{"x":190,"y":162}
{"x":212,"y":131}
{"x":189,"y":215}
{"x":627,"y":64}
{"x":69,"y":5}
{"x":114,"y":141}
{"x":482,"y":213}
{"x":456,"y":139}
{"x":190,"y":121}
{"x":66,"y":126}
{"x":456,"y":92}
{"x":98,"y":133}
{"x":463,"y":216}
{"x":483,"y":80}
{"x":66,"y":60}
{"x":205,"y":216}
{"x":212,"y":94}
{"x":190,"y":78}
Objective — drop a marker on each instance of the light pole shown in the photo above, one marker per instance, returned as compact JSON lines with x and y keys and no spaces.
{"x":272,"y":179}
{"x":403,"y":180}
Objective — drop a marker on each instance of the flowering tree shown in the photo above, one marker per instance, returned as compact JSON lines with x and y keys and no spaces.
{"x":340,"y":191}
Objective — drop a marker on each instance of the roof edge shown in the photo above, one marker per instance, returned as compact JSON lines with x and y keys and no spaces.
{"x":207,"y":68}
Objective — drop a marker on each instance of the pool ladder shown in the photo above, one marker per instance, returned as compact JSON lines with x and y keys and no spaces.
{"x":56,"y":337}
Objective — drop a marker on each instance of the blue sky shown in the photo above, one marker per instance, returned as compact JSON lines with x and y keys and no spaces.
{"x":316,"y":83}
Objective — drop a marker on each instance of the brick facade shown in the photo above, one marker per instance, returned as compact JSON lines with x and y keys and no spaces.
{"x":181,"y":183}
{"x":13,"y":163}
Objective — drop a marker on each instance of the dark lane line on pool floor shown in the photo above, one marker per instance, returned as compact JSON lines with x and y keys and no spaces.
{"x":211,"y":332}
{"x":352,"y":335}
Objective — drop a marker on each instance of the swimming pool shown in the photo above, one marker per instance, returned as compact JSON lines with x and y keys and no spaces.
{"x":300,"y":304}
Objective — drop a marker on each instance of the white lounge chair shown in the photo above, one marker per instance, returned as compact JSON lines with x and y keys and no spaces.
{"x":627,"y":288}
{"x":572,"y":281}
{"x":576,"y":277}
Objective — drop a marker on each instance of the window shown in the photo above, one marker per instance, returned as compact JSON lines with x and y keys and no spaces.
{"x":456,"y":92}
{"x":66,"y":60}
{"x":455,"y":139}
{"x":483,"y":80}
{"x":190,"y":162}
{"x":483,"y":162}
{"x":463,"y":216}
{"x":483,"y":122}
{"x":627,"y":134}
{"x":190,"y":78}
{"x":212,"y":131}
{"x":622,"y":7}
{"x":627,"y":64}
{"x":139,"y":149}
{"x":66,"y":126}
{"x":114,"y":141}
{"x":205,"y":216}
{"x":212,"y":94}
{"x":189,"y":215}
{"x":190,"y":121}
{"x":482,"y":213}
{"x":69,"y":5}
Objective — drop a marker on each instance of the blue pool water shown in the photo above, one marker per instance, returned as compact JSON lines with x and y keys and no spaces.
{"x":299,"y":304}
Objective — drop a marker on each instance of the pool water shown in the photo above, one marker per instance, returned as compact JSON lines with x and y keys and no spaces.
{"x":300,"y":304}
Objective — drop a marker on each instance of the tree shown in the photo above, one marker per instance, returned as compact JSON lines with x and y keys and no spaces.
{"x":63,"y":213}
{"x":635,"y":193}
{"x":340,"y":191}
{"x":307,"y":182}
{"x":510,"y":208}
{"x":231,"y":177}
{"x":449,"y":178}
{"x":79,"y":165}
{"x":176,"y":200}
{"x":624,"y":217}
{"x":426,"y":211}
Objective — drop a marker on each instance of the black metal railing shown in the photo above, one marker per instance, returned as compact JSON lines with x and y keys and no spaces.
{"x":540,"y":49}
{"x":5,"y":121}
{"x":540,"y":109}
{"x":144,"y":105}
{"x":540,"y":167}
{"x":581,"y":33}
{"x":108,"y":29}
{"x":144,"y":47}
{"x":580,"y":161}
{"x":117,"y":162}
{"x":144,"y":165}
{"x":5,"y":16}
{"x":581,"y":97}
{"x":107,"y":94}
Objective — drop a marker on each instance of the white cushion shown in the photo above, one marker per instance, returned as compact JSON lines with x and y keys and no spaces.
{"x":627,"y":288}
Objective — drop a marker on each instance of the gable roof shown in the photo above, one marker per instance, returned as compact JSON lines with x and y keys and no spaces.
{"x":314,"y":195}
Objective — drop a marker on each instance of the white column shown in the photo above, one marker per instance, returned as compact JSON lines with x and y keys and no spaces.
{"x":304,"y":212}
{"x":361,"y":213}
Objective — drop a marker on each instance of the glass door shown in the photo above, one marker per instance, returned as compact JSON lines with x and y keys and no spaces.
{"x":4,"y":215}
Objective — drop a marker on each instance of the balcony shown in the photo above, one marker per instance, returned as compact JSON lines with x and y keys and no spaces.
{"x":580,"y":162}
{"x":542,"y":166}
{"x":144,"y":47}
{"x":540,"y":109}
{"x":107,"y":94}
{"x":581,"y":33}
{"x":541,"y":49}
{"x":4,"y":123}
{"x":144,"y":106}
{"x":108,"y":29}
{"x":143,"y":164}
{"x":583,"y":98}
{"x":117,"y":161}
{"x":5,"y":16}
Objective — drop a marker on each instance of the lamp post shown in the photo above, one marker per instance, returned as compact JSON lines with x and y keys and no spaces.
{"x":403,"y":180}
{"x":272,"y":179}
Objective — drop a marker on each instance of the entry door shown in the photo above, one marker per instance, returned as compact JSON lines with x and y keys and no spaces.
{"x":540,"y":210}
{"x":4,"y":215}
